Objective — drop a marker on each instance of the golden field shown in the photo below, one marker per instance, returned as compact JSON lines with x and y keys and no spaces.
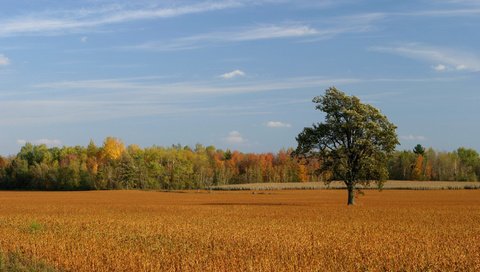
{"x":389,"y":185}
{"x":288,"y":230}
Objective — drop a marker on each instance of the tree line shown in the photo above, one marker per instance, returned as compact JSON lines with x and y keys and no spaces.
{"x":462,"y":164}
{"x":116,"y":166}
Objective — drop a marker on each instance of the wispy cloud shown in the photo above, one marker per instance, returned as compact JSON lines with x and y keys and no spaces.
{"x":4,"y":61}
{"x":114,"y":98}
{"x":106,"y":99}
{"x":269,"y":32}
{"x":278,"y":124}
{"x":442,"y":8}
{"x":413,"y":137}
{"x":262,"y":32}
{"x":290,"y":30}
{"x":93,"y":109}
{"x":143,"y":87}
{"x":450,"y":59}
{"x":74,"y":20}
{"x":441,"y":12}
{"x":439,"y":67}
{"x":458,"y":11}
{"x":449,"y":8}
{"x":47,"y":142}
{"x":233,"y":74}
{"x":234,"y":137}
{"x":50,"y":22}
{"x":151,"y":88}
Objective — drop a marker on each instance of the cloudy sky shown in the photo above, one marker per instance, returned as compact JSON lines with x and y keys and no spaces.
{"x":237,"y":74}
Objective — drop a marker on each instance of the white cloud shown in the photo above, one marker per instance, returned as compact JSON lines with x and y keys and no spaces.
{"x":278,"y":124}
{"x":440,"y":67}
{"x":21,"y":142}
{"x":47,"y":142}
{"x":84,"y":39}
{"x":291,"y":30}
{"x":413,"y":138}
{"x":150,"y":89}
{"x":460,"y":59}
{"x":274,"y":32}
{"x":73,"y":20}
{"x":262,"y":32}
{"x":4,"y":61}
{"x":442,"y":13}
{"x":234,"y":137}
{"x":116,"y":98}
{"x":134,"y":86}
{"x":233,"y":74}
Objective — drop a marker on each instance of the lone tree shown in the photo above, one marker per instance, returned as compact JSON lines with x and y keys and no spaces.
{"x":353,"y":143}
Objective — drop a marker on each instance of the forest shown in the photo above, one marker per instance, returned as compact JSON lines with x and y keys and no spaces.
{"x":116,"y":166}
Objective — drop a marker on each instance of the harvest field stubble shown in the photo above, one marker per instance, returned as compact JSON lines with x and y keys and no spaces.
{"x":288,"y":230}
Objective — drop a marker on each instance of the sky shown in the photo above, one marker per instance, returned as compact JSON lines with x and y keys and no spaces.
{"x":237,"y":74}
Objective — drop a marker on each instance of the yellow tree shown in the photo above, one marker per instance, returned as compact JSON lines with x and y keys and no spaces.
{"x":302,"y":172}
{"x":417,"y":173}
{"x":113,"y":148}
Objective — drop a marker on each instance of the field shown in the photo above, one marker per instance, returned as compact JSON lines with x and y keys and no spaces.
{"x":286,"y":230}
{"x":389,"y":185}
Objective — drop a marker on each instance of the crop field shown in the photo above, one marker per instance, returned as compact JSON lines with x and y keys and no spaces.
{"x":389,"y":185}
{"x":284,"y":230}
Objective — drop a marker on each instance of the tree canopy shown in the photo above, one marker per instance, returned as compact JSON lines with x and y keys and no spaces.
{"x":419,"y":149}
{"x":353,"y":143}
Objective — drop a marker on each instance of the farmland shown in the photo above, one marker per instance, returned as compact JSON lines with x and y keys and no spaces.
{"x":274,"y":230}
{"x":388,"y":185}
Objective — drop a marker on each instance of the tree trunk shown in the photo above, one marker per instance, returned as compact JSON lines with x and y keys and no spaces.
{"x":351,"y":195}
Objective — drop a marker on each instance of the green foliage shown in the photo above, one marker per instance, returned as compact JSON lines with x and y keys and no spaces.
{"x":16,"y":262}
{"x":34,"y":227}
{"x":115,"y":167}
{"x":419,"y":149}
{"x":469,"y":162}
{"x":353,"y":142}
{"x":178,"y":167}
{"x":460,"y":165}
{"x":228,"y":155}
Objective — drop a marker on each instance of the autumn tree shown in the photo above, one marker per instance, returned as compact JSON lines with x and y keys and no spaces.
{"x":92,"y":158}
{"x":38,"y":167}
{"x":417,"y":171}
{"x":113,"y":148}
{"x":353,"y":142}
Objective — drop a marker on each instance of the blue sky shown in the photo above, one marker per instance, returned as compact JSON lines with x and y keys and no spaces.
{"x":236,"y":74}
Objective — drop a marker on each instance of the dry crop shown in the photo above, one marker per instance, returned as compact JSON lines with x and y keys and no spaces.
{"x":309,"y":230}
{"x":389,"y":185}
